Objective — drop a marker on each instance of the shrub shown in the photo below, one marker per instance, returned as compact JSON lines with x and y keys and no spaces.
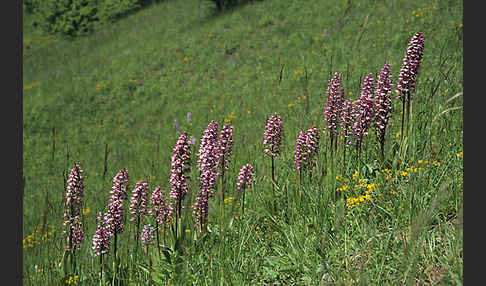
{"x":76,"y":17}
{"x":30,"y":6}
{"x":110,"y":10}
{"x":67,"y":17}
{"x":221,"y":5}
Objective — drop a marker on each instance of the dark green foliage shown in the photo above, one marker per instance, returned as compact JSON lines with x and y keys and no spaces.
{"x":77,"y":17}
{"x":67,"y":17}
{"x":110,"y":10}
{"x":221,"y":5}
{"x":30,"y":6}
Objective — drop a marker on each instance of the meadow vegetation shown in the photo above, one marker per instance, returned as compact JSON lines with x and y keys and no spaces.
{"x":208,"y":134}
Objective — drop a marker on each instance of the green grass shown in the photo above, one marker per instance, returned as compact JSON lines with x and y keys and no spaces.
{"x":126,"y":84}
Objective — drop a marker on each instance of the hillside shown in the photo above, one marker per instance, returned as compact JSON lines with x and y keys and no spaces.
{"x":126,"y":85}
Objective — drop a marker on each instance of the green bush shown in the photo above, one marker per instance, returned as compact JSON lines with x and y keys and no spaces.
{"x":110,"y":10}
{"x":221,"y":5}
{"x":76,"y":17}
{"x":67,"y":17}
{"x":30,"y":6}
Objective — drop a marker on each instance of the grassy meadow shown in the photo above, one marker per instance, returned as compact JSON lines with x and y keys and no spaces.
{"x":119,"y":99}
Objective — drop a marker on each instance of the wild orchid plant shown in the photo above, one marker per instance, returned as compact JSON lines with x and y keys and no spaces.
{"x":407,"y":79}
{"x":272,"y":144}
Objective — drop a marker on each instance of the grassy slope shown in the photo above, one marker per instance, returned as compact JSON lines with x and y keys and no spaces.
{"x":127,"y":83}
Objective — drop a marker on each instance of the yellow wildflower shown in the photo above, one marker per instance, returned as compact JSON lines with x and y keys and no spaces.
{"x":403,"y":173}
{"x":228,"y":201}
{"x":343,"y":188}
{"x":230,"y":117}
{"x":86,"y":211}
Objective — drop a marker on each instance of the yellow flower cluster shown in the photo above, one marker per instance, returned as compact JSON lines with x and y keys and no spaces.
{"x":359,"y":184}
{"x":228,"y":201}
{"x":388,"y":173}
{"x":297,"y":101}
{"x":38,"y":271}
{"x":36,"y":237}
{"x":354,"y":202}
{"x":427,"y":162}
{"x":101,"y":85}
{"x":413,"y":169}
{"x":230,"y":117}
{"x":421,"y":13}
{"x":370,"y":187}
{"x":460,"y":154}
{"x":402,"y":173}
{"x":72,"y":280}
{"x":87,"y":211}
{"x":409,"y":170}
{"x":343,"y":188}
